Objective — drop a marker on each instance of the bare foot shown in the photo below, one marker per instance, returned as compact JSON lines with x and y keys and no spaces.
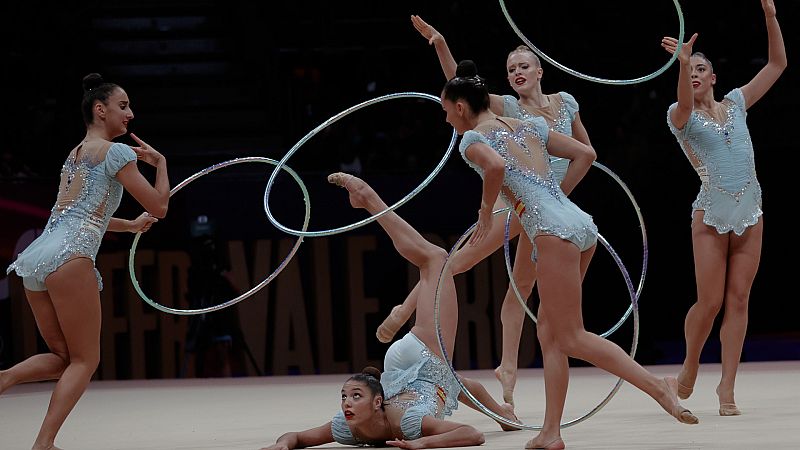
{"x":669,"y":401}
{"x":727,"y":405}
{"x":361,"y":194}
{"x":507,"y":411}
{"x":392,"y":324}
{"x":546,"y":442}
{"x":685,"y":384}
{"x":45,"y":447}
{"x":4,"y":384}
{"x":507,"y":379}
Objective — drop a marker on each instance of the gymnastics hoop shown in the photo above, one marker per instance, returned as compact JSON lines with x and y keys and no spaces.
{"x":466,"y":391}
{"x":253,"y":290}
{"x":325,"y":124}
{"x":645,"y":248}
{"x":597,"y":79}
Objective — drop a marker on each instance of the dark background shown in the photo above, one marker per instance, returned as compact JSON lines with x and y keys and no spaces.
{"x":213,"y":80}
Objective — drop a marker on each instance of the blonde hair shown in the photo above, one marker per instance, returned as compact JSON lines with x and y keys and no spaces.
{"x":526,"y":49}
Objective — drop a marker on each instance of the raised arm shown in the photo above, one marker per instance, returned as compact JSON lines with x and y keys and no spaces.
{"x":446,"y":59}
{"x":438,"y":433}
{"x":154,"y":198}
{"x":680,"y":115}
{"x":302,"y":439}
{"x":436,"y":39}
{"x":766,"y":77}
{"x":579,"y":153}
{"x":494,"y":168}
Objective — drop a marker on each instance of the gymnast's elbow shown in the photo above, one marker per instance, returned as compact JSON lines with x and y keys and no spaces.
{"x":159,"y":211}
{"x":589,"y":154}
{"x":474,"y":436}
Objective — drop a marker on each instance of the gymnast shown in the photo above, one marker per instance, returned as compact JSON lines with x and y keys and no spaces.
{"x":57,"y":269}
{"x":406,"y":405}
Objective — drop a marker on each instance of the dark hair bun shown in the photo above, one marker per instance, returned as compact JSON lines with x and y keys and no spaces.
{"x":91,"y":81}
{"x":466,"y":68}
{"x":372,"y":371}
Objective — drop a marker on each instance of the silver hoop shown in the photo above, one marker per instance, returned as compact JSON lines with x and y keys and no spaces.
{"x":597,"y":79}
{"x":645,"y":253}
{"x":466,"y":391}
{"x":253,"y":290}
{"x":324,"y":125}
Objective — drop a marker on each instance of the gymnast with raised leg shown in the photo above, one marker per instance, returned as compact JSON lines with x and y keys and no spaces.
{"x":406,"y":405}
{"x":727,"y":222}
{"x":561,"y":112}
{"x":512,"y":158}
{"x":57,"y":269}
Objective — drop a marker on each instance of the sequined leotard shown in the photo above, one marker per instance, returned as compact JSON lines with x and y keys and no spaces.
{"x":722,"y":155}
{"x":87,"y":197}
{"x":415,"y":380}
{"x":560,"y":114}
{"x":529,"y":185}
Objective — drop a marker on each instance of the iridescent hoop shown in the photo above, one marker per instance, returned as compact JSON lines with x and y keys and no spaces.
{"x":466,"y":391}
{"x":592,"y":78}
{"x":325,"y":124}
{"x":253,"y":290}
{"x":645,"y":253}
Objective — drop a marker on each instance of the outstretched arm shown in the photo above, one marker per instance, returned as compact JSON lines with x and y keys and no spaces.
{"x":494,"y":168}
{"x":302,"y":439}
{"x":766,"y":77}
{"x":438,"y":433}
{"x":680,"y":115}
{"x":436,"y":39}
{"x":579,"y":153}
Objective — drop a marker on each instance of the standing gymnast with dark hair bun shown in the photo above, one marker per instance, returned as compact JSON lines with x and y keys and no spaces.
{"x":57,"y":269}
{"x":561,"y":111}
{"x":406,"y":405}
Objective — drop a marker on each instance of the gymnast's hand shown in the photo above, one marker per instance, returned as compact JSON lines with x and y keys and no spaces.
{"x":147,"y":153}
{"x":670,"y":44}
{"x":276,"y":447}
{"x":142,"y":223}
{"x":402,"y":443}
{"x":427,"y":31}
{"x":769,"y":8}
{"x":483,"y":227}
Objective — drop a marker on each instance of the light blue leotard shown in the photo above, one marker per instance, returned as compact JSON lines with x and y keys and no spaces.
{"x":415,"y":380}
{"x":87,"y":198}
{"x":722,"y":155}
{"x":560,"y":114}
{"x":529,"y":185}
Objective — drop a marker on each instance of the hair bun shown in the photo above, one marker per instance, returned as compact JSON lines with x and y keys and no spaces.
{"x":91,"y":81}
{"x":466,"y":68}
{"x":372,"y":371}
